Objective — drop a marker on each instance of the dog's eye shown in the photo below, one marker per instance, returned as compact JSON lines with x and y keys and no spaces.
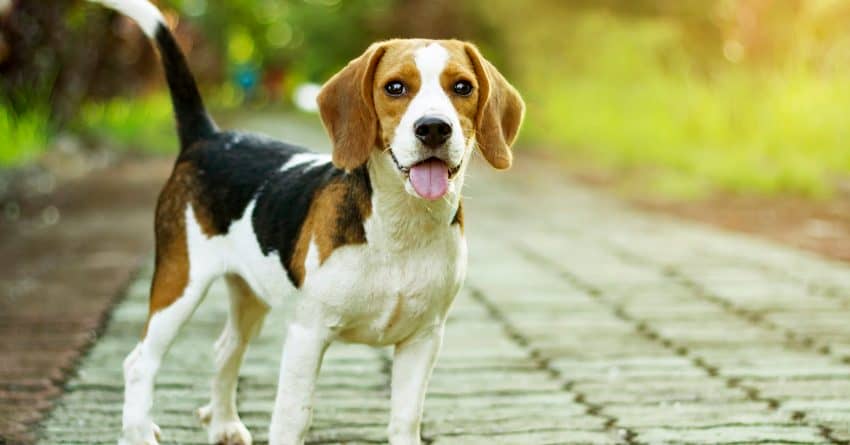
{"x":462,"y":88}
{"x":395,"y":88}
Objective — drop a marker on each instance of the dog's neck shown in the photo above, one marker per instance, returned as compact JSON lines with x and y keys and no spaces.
{"x":404,"y":219}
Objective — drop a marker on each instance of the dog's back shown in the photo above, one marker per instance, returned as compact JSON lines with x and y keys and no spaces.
{"x":280,"y":188}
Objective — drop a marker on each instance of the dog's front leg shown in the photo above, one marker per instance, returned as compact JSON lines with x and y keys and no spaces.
{"x":302,"y":358}
{"x":412,"y":364}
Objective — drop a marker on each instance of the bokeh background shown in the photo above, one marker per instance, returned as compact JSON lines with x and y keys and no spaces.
{"x":669,"y":102}
{"x":727,"y":112}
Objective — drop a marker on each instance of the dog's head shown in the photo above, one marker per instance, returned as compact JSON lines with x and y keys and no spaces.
{"x":422,"y":105}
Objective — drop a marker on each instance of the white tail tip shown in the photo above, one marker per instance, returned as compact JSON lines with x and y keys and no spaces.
{"x":142,"y":12}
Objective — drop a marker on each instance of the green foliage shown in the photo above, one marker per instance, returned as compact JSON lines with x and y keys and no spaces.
{"x":310,"y":38}
{"x":138,"y":124}
{"x":144,"y":123}
{"x":694,"y":96}
{"x":25,"y":134}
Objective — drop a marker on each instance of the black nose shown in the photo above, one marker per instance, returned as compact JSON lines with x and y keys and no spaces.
{"x":432,"y":131}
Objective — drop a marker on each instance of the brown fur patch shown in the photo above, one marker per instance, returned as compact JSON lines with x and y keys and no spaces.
{"x":500,"y":112}
{"x":335,"y":219}
{"x":171,"y":274}
{"x":348,"y":112}
{"x":397,"y":311}
{"x":458,"y":218}
{"x":460,"y":67}
{"x":397,"y":64}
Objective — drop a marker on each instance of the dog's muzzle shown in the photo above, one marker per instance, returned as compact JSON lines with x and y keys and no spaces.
{"x":406,"y":169}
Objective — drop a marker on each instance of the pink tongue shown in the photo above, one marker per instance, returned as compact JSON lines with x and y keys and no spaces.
{"x":430,"y":178}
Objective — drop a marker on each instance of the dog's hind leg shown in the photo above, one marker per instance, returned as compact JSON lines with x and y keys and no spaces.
{"x":185,"y":267}
{"x":246,"y":317}
{"x":141,"y":366}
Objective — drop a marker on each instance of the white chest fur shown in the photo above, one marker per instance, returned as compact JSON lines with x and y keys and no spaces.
{"x":383,"y":291}
{"x":402,"y":280}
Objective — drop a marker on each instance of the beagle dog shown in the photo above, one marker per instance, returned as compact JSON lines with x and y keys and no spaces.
{"x":369,"y":239}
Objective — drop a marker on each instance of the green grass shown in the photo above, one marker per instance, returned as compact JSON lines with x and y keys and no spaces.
{"x":24,"y":135}
{"x":126,"y":124}
{"x":625,"y":96}
{"x":130,"y":124}
{"x":738,"y":133}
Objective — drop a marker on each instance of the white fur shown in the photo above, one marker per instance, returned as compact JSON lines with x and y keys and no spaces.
{"x":309,"y":159}
{"x":311,"y":262}
{"x":302,"y":356}
{"x":142,"y":12}
{"x":263,"y":273}
{"x":413,"y":362}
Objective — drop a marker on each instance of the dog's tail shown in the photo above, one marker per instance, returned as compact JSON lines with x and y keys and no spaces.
{"x":193,"y":121}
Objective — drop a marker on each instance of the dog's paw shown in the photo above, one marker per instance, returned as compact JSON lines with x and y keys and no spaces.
{"x":204,"y":414}
{"x":231,"y":432}
{"x":148,"y":434}
{"x":228,"y":433}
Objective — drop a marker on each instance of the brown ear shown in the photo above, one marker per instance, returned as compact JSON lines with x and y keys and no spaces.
{"x":500,"y":112}
{"x":348,"y":111}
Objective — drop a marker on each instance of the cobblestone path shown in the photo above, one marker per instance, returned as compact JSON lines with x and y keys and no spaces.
{"x":581,"y":321}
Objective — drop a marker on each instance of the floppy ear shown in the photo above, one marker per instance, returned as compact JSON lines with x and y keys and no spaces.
{"x":348,"y":111}
{"x":500,"y":112}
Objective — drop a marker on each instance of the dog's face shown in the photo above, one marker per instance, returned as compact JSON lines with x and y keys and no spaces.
{"x":424,"y":105}
{"x":426,"y":99}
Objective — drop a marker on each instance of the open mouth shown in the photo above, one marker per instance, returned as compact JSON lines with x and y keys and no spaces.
{"x":430,"y":177}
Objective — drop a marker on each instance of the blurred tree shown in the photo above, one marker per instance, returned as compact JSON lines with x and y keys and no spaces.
{"x":311,"y":39}
{"x":307,"y":38}
{"x":73,"y":50}
{"x":448,"y":19}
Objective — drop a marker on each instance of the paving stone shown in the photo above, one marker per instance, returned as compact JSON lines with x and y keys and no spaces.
{"x":736,"y":434}
{"x":569,"y":436}
{"x":664,"y":392}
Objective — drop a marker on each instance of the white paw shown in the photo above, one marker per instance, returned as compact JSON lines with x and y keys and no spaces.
{"x":228,"y":433}
{"x":140,"y":435}
{"x":204,"y":414}
{"x":403,"y":433}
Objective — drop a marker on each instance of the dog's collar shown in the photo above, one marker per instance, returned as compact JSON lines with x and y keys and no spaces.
{"x":405,"y":170}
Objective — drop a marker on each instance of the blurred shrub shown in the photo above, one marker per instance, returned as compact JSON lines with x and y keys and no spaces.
{"x":76,"y":60}
{"x":140,"y":124}
{"x":24,"y":134}
{"x":60,"y":54}
{"x":306,"y":37}
{"x":309,"y":40}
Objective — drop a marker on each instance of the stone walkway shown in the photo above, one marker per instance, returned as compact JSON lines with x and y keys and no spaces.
{"x":581,"y":322}
{"x":64,"y":255}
